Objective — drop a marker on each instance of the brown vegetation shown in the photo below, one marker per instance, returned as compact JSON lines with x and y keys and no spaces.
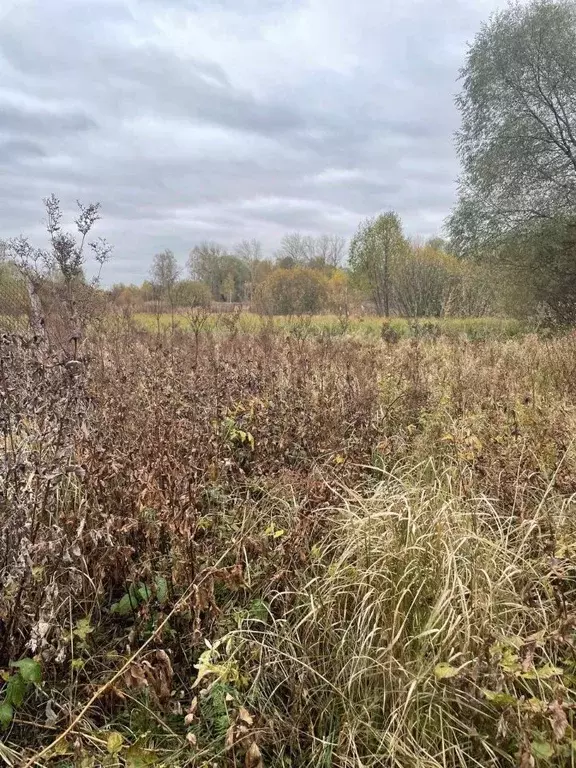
{"x":306,"y":551}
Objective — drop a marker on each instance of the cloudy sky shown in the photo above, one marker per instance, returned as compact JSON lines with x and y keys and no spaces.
{"x":229,"y":119}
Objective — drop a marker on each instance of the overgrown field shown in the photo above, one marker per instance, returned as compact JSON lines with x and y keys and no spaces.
{"x":310,"y":326}
{"x":269,"y":550}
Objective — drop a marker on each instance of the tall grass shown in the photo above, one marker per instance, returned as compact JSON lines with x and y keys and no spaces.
{"x":287,"y":548}
{"x":387,"y":650}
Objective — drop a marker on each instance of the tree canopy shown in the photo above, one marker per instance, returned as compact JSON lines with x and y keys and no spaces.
{"x":518,"y":138}
{"x":377,"y":243}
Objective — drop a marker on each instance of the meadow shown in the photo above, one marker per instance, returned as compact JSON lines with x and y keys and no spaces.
{"x":362,"y":326}
{"x":261,"y":546}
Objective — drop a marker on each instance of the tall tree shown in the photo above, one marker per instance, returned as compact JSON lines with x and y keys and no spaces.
{"x":377,"y":244}
{"x":518,"y":138}
{"x":295,"y":250}
{"x":204,"y":264}
{"x":164,"y":275}
{"x":250,"y":252}
{"x":329,"y":250}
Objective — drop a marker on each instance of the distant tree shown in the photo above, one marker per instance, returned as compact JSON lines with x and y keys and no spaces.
{"x":205,"y":265}
{"x":224,"y":274}
{"x":147,"y":291}
{"x":228,"y":287}
{"x":295,"y":250}
{"x":126,"y":297}
{"x":340,"y":296}
{"x":377,"y":244}
{"x":234,"y":275}
{"x":250,"y":252}
{"x":165,"y":270}
{"x":424,"y":281}
{"x":439,"y":244}
{"x":164,"y":274}
{"x":329,"y":250}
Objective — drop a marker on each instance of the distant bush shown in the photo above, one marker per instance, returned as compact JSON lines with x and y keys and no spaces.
{"x":291,"y":292}
{"x":191,"y":293}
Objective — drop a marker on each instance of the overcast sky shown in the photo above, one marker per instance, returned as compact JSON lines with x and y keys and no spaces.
{"x":229,"y":119}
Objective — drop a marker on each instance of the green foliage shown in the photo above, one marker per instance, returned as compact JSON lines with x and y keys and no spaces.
{"x":374,"y":251}
{"x":29,"y":672}
{"x":543,"y":263}
{"x":139,"y":594}
{"x":518,"y":152}
{"x":225,"y":275}
{"x":517,"y":141}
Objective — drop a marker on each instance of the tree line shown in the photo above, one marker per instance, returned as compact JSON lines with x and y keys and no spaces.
{"x":380,"y":270}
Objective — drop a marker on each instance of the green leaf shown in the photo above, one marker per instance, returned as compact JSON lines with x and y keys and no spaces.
{"x":535,"y":706}
{"x":542,"y":749}
{"x":443,"y":671}
{"x":136,"y":757}
{"x":15,"y":690}
{"x":279,"y":533}
{"x":124,"y":606}
{"x":83,"y":628}
{"x":510,"y":662}
{"x":543,"y":673}
{"x":161,"y":588}
{"x":114,"y":742}
{"x":6,"y":714}
{"x":316,"y":552}
{"x":144,"y":594}
{"x":500,"y":698}
{"x":61,"y":748}
{"x":30,"y":670}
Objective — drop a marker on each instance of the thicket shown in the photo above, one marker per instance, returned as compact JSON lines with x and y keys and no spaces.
{"x":277,"y":550}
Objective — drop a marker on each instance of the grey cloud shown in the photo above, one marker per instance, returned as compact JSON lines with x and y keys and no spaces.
{"x":19,"y":120}
{"x":16,"y":149}
{"x":223,"y":120}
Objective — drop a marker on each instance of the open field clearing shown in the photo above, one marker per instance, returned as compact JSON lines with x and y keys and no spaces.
{"x":258,"y":549}
{"x":370,"y":327}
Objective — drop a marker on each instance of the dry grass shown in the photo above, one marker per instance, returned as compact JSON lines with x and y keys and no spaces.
{"x":397,"y":634}
{"x":336,"y":544}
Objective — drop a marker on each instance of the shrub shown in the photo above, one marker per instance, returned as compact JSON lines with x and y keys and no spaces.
{"x":191,"y":293}
{"x":291,"y":292}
